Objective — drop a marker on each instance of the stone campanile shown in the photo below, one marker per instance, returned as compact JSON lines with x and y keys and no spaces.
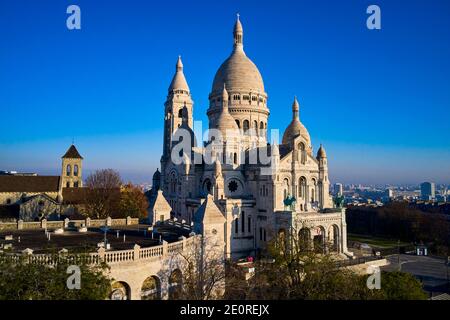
{"x":178,"y":106}
{"x":72,"y":166}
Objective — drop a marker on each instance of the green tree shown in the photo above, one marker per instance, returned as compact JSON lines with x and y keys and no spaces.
{"x":133,"y":202}
{"x":401,"y":286}
{"x":20,"y":280}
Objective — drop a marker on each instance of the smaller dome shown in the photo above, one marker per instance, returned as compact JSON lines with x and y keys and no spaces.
{"x":296,"y":128}
{"x":321,"y":152}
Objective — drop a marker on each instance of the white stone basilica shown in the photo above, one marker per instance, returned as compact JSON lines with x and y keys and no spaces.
{"x":234,"y":193}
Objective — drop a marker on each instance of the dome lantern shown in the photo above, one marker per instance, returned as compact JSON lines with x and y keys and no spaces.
{"x":238,"y":34}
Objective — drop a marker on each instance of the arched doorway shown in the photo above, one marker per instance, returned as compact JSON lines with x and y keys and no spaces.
{"x":304,"y":239}
{"x":151,"y":289}
{"x":120,"y":291}
{"x":175,"y":285}
{"x":319,"y":240}
{"x":334,"y":238}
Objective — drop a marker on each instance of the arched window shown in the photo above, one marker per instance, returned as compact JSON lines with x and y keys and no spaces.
{"x":68,"y":170}
{"x":173,"y":183}
{"x":67,"y":184}
{"x":313,"y":191}
{"x":180,"y":113}
{"x":238,"y":123}
{"x":246,"y":126}
{"x":302,"y":187}
{"x":301,"y":147}
{"x":75,"y":184}
{"x":75,"y":170}
{"x":261,"y":129}
{"x":235,"y":158}
{"x":255,"y":125}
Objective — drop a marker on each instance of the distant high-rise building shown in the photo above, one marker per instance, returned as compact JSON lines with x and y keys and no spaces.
{"x":338,"y":189}
{"x":427,"y":190}
{"x":389,"y":193}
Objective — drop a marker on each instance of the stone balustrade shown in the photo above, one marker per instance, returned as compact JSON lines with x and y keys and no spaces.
{"x":44,"y":224}
{"x":110,"y":257}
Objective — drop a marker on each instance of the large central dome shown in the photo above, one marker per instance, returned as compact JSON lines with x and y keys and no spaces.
{"x":238,"y":72}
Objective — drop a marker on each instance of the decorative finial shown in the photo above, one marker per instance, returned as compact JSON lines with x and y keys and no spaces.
{"x":295,"y":108}
{"x":238,"y":15}
{"x":179,"y":66}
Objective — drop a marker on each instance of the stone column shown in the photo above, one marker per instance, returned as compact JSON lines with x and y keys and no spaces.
{"x":20,"y":224}
{"x":44,"y":224}
{"x":137,"y":250}
{"x":128,"y":221}
{"x":101,"y":253}
{"x":108,"y":222}
{"x":88,"y":222}
{"x":165,"y":245}
{"x":66,"y":222}
{"x":343,"y":232}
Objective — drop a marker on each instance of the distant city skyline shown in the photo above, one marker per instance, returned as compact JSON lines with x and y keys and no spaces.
{"x":384,"y":92}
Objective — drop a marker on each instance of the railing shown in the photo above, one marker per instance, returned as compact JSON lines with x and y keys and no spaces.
{"x":152,"y":252}
{"x":119,"y":256}
{"x":360,"y":260}
{"x":110,"y":257}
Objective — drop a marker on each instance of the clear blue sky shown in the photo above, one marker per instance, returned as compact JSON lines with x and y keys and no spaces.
{"x":378,"y":100}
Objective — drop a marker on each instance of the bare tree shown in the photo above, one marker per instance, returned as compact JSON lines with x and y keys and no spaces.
{"x":203,"y":269}
{"x":102,"y":196}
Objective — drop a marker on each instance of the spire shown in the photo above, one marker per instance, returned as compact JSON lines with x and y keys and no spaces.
{"x":295,"y":109}
{"x":179,"y":81}
{"x":72,"y":153}
{"x":217,"y":168}
{"x":275,"y":149}
{"x":321,"y":152}
{"x":179,"y":64}
{"x":224,"y":97}
{"x":238,"y":34}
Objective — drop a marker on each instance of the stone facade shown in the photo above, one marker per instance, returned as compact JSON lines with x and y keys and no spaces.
{"x":257,"y":198}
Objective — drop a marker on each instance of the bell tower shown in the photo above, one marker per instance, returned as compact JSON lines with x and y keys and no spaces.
{"x":72,"y":169}
{"x":178,"y":106}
